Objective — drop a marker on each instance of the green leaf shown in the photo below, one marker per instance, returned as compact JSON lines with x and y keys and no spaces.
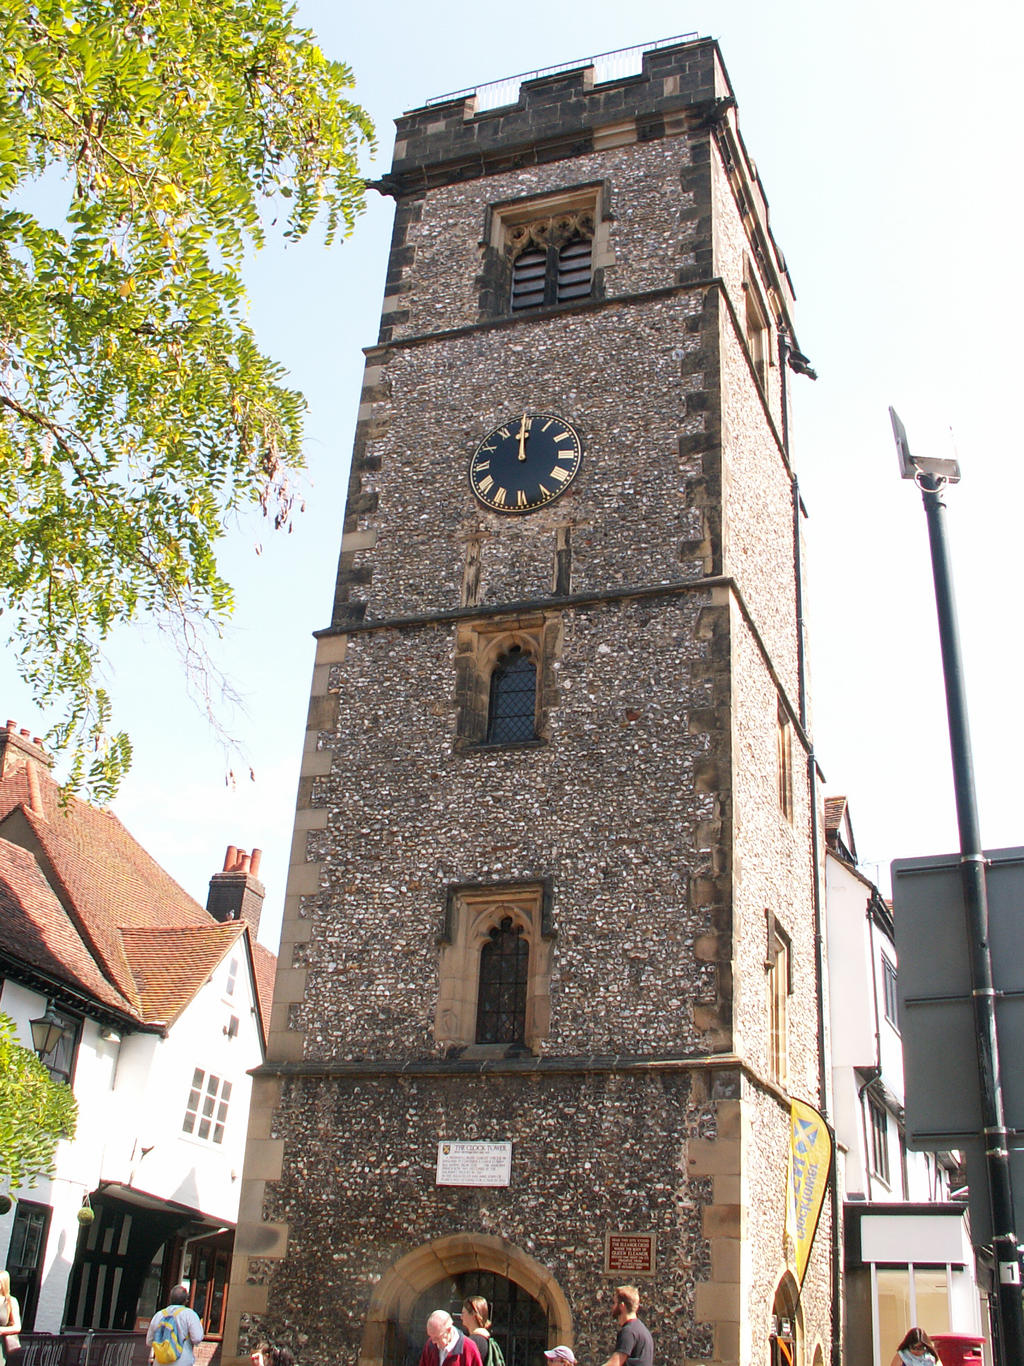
{"x":137,"y":411}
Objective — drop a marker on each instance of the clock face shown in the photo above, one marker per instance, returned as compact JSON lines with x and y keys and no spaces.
{"x":526,"y":464}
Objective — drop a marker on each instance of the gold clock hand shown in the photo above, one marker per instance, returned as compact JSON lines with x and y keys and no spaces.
{"x":522,"y":438}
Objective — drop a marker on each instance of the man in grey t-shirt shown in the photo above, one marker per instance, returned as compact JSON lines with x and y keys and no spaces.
{"x":634,"y":1345}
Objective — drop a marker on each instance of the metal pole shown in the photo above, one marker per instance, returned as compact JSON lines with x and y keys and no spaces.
{"x":1009,"y":1350}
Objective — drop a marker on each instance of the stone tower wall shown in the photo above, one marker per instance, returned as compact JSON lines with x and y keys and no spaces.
{"x":660,"y":593}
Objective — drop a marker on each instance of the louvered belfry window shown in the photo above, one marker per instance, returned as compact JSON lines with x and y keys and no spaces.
{"x":501,"y":1001}
{"x":575,"y":277}
{"x":512,"y":713}
{"x":529,"y":280}
{"x":552,"y":260}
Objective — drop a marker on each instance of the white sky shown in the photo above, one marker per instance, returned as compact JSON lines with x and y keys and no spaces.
{"x":887,"y":140}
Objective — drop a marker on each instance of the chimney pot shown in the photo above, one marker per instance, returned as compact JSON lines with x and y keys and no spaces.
{"x":229,"y":858}
{"x":25,"y":731}
{"x":254,"y":865}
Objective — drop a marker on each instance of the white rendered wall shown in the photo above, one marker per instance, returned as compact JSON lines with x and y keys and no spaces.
{"x":132,"y":1096}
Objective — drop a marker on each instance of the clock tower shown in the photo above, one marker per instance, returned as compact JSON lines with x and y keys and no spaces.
{"x":549,"y":976}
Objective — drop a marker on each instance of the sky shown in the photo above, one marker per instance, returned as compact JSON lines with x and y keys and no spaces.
{"x":887,"y":141}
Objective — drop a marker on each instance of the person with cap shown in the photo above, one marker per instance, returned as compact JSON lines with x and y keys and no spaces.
{"x":634,"y":1345}
{"x":447,"y":1345}
{"x":561,"y":1354}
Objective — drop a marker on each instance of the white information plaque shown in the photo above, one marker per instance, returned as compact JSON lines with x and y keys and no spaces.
{"x":473,"y":1164}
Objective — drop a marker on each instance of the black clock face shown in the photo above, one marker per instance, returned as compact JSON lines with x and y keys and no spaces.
{"x":526,"y":464}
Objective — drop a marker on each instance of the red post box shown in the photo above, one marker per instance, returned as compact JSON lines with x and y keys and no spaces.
{"x":959,"y":1349}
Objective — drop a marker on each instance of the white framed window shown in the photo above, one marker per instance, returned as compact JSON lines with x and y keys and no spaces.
{"x":207,"y":1110}
{"x":879,"y":1139}
{"x":889,"y":993}
{"x":232,"y":982}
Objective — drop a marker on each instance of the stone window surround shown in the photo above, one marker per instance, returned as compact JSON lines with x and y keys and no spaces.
{"x":778,"y":965}
{"x":784,"y":736}
{"x":471,"y":912}
{"x":478,"y":648}
{"x":590,"y":199}
{"x":758,"y":328}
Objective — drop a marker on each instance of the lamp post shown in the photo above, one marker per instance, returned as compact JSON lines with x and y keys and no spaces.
{"x":932,"y":476}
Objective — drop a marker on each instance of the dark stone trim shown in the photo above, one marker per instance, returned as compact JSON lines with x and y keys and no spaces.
{"x":523,"y":1063}
{"x":536,"y":315}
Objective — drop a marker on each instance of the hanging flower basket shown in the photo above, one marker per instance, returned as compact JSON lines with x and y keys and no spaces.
{"x":86,"y":1214}
{"x":5,"y":1204}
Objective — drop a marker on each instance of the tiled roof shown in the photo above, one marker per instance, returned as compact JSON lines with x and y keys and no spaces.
{"x":835,"y":809}
{"x":107,"y":879}
{"x":115,"y":922}
{"x":38,"y":934}
{"x":265,"y":968}
{"x":171,"y":963}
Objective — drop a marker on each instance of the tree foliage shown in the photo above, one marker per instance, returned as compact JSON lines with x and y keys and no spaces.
{"x":35,"y":1111}
{"x":137,"y":412}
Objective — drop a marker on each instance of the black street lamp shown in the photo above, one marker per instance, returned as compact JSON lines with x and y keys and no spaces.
{"x":47,"y":1031}
{"x":931,"y":476}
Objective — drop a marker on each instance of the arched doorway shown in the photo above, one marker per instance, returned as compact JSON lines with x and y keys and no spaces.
{"x":529,"y":1310}
{"x":786,"y":1323}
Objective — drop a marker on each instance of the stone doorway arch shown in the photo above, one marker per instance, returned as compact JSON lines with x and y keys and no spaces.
{"x":398,"y":1290}
{"x":787,"y":1323}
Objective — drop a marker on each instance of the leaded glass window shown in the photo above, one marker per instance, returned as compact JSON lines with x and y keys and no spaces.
{"x":501,"y":1002}
{"x":512,"y":713}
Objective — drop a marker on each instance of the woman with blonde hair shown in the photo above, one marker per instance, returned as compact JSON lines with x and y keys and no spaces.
{"x":10,"y":1320}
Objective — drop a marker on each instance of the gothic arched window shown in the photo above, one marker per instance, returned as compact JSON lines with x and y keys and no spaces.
{"x":504,"y":970}
{"x":512,"y":709}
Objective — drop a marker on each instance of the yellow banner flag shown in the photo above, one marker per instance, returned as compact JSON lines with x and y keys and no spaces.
{"x":810,"y":1161}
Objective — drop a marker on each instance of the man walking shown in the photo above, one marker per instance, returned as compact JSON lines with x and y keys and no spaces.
{"x":176,"y":1325}
{"x":447,"y":1345}
{"x":634,"y":1345}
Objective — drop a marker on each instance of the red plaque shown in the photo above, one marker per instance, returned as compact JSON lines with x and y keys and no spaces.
{"x":629,"y":1254}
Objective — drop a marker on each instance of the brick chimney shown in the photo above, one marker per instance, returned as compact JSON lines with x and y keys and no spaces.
{"x":21,"y":751}
{"x":236,"y":893}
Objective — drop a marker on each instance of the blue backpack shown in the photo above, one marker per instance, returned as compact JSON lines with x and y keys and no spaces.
{"x":168,"y":1343}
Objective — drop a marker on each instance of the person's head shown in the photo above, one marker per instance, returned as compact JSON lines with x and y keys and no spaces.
{"x":440,"y":1327}
{"x":474,"y":1313}
{"x":5,"y":1285}
{"x":918,"y":1342}
{"x":179,"y":1295}
{"x":561,"y":1355}
{"x":625,"y":1302}
{"x":262,"y":1354}
{"x":284,"y":1356}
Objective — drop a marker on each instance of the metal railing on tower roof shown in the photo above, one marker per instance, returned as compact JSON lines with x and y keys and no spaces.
{"x":608,"y":66}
